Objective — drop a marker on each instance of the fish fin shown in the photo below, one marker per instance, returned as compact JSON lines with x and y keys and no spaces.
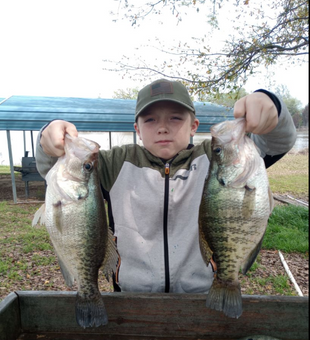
{"x":205,"y":250}
{"x":58,"y":215}
{"x":248,"y":204}
{"x":271,"y":200}
{"x":247,"y":264}
{"x":225,"y":297}
{"x":110,"y":262}
{"x":69,"y":278}
{"x":253,"y":164}
{"x":90,"y":312}
{"x":39,"y":216}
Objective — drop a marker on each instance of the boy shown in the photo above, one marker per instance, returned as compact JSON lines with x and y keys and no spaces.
{"x":154,"y":192}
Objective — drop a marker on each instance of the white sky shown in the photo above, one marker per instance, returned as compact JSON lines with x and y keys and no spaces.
{"x":56,"y":48}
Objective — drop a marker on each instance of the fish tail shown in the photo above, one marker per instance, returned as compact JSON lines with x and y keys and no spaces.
{"x":226,"y":297}
{"x":90,"y":312}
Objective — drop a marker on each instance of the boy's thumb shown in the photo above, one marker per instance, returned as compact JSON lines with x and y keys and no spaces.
{"x":71,"y":130}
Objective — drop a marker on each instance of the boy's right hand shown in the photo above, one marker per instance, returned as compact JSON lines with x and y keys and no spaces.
{"x":53,"y":137}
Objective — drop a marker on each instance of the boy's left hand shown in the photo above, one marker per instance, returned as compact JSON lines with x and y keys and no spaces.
{"x":259,"y":111}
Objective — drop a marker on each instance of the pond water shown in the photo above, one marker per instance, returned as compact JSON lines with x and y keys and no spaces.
{"x":302,"y":141}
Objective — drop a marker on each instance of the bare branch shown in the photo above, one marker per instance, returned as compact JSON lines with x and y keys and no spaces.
{"x":263,"y":44}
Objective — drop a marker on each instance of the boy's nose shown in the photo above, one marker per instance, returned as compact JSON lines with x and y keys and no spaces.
{"x":162,"y":126}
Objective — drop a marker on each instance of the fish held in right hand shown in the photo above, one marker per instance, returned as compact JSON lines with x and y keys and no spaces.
{"x":234,"y":212}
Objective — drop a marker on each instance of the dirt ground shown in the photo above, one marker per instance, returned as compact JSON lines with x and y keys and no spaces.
{"x":36,"y":189}
{"x":270,"y":260}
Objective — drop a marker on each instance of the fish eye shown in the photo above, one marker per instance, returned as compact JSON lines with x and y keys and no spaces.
{"x":217,"y":150}
{"x":88,"y":166}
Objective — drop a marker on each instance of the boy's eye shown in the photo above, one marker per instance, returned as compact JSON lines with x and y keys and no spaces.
{"x":176,"y":118}
{"x":148,"y":120}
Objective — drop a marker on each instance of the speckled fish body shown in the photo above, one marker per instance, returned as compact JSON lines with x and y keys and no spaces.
{"x":75,"y":218}
{"x":234,"y":212}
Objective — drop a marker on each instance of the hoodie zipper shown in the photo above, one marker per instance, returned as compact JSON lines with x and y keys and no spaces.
{"x":165,"y":230}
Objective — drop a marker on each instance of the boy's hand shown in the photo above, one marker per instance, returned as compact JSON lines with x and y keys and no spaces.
{"x":259,"y":111}
{"x":53,"y":137}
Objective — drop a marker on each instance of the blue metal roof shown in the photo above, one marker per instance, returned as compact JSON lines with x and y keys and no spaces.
{"x":30,"y":113}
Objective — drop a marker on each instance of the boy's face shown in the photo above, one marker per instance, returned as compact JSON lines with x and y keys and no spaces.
{"x":165,"y":128}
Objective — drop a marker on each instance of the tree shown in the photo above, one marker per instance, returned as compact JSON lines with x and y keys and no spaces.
{"x":205,"y":70}
{"x":297,"y":119}
{"x":305,"y":116}
{"x":293,"y":104}
{"x":126,"y":94}
{"x":134,"y":11}
{"x":225,"y":99}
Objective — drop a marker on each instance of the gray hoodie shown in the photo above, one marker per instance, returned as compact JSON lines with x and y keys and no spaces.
{"x":154,"y":215}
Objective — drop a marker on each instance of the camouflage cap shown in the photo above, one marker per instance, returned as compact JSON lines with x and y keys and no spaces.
{"x":161,"y":90}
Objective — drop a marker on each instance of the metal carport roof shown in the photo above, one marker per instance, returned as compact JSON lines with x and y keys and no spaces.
{"x":27,"y":113}
{"x":30,"y":113}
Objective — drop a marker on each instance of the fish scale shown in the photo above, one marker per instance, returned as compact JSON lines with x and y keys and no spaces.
{"x":75,"y":218}
{"x":234,"y":212}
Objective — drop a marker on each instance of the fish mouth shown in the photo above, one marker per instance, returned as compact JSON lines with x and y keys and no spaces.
{"x":222,"y":182}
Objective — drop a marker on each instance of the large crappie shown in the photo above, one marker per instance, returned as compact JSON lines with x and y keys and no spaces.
{"x":75,"y":218}
{"x":234,"y":212}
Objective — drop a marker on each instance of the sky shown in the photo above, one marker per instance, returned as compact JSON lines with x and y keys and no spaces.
{"x":57,"y":48}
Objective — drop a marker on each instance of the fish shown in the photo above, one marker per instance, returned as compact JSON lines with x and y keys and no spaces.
{"x":75,"y":217}
{"x":235,"y":207}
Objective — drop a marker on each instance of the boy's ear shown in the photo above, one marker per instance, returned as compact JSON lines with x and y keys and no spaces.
{"x":195,"y":125}
{"x":136,"y":127}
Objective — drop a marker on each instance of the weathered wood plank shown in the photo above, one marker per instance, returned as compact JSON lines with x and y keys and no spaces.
{"x":168,"y":315}
{"x":9,"y":318}
{"x":290,"y":200}
{"x":71,"y":336}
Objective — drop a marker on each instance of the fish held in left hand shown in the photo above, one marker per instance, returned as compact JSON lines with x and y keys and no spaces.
{"x":75,"y":218}
{"x":234,"y":211}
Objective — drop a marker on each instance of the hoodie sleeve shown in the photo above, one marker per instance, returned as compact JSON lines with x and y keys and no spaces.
{"x":43,"y":162}
{"x":281,"y":139}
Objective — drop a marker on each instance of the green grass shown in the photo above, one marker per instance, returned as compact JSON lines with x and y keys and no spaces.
{"x":15,"y":226}
{"x":5,"y":170}
{"x":280,"y":285}
{"x":290,"y":175}
{"x":283,"y":184}
{"x":18,"y":236}
{"x":25,"y":250}
{"x":288,"y":230}
{"x":27,"y":258}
